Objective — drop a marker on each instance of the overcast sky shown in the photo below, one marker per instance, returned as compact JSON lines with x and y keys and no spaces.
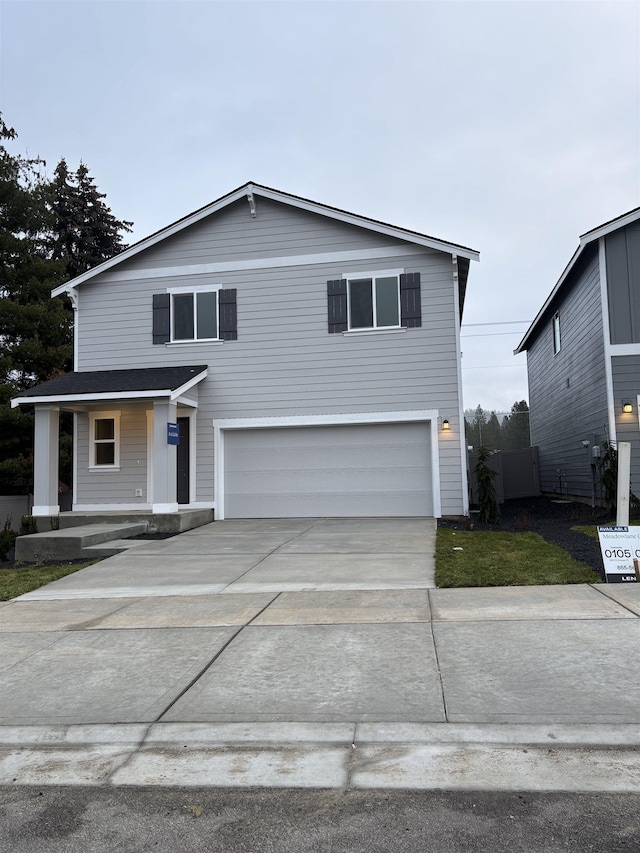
{"x":511,"y":127}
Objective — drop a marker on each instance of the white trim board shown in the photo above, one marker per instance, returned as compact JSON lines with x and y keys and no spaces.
{"x":262,"y":264}
{"x":220,"y":427}
{"x":608,"y":367}
{"x":461,"y":421}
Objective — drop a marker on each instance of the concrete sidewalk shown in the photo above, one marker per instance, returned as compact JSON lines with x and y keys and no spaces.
{"x":316,"y":652}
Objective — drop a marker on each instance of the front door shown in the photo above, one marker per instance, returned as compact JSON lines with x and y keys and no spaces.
{"x":183,"y":461}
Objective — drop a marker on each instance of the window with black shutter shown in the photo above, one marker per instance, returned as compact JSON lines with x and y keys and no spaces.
{"x":198,"y":315}
{"x":388,"y":300}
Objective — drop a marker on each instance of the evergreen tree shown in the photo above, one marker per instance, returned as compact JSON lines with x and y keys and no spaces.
{"x":487,"y":499}
{"x":84,"y":232}
{"x":50,"y":231}
{"x":491,"y":433}
{"x":477,"y":427}
{"x":515,"y":427}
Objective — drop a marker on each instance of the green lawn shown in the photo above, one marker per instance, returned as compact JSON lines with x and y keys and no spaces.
{"x":492,"y":558}
{"x":15,"y":582}
{"x":591,"y":529}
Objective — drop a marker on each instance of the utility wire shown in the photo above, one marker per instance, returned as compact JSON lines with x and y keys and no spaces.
{"x":499,"y":323}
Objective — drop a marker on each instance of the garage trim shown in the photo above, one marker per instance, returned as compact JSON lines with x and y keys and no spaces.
{"x":220,"y":427}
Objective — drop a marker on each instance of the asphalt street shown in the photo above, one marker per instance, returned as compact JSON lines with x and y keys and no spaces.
{"x":218,"y":820}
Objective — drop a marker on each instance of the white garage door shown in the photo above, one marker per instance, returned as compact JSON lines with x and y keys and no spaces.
{"x":359,"y":470}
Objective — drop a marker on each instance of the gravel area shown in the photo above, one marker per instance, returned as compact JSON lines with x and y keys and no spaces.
{"x":551,"y":519}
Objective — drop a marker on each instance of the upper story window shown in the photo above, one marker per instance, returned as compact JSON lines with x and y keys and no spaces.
{"x":385,"y":299}
{"x":194,"y":316}
{"x":183,"y":315}
{"x":556,"y":334}
{"x":104,"y":446}
{"x":373,"y":302}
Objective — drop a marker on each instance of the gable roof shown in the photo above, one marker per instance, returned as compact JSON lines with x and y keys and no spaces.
{"x":250,"y":190}
{"x":586,"y":240}
{"x":151,"y":382}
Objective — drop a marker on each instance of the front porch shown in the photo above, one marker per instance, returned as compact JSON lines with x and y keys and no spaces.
{"x":134,"y":442}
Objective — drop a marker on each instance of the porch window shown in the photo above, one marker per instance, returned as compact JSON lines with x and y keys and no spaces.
{"x":104,"y":444}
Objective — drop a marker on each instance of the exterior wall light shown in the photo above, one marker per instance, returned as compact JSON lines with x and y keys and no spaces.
{"x":445,"y":424}
{"x":627,"y":408}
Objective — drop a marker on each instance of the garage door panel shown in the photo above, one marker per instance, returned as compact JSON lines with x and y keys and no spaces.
{"x":359,"y":470}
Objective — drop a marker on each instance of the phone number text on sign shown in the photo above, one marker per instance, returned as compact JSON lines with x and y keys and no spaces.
{"x":620,"y":547}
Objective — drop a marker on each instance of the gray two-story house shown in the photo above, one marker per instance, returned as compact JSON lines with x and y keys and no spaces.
{"x":265,"y":356}
{"x":583,"y":361}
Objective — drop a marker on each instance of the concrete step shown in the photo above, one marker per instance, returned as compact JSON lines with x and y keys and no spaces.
{"x":112,"y":547}
{"x":170,"y":522}
{"x":72,"y":543}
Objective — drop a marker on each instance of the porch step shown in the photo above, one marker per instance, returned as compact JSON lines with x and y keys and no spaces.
{"x":112,"y":547}
{"x":72,"y":543}
{"x":165,"y":522}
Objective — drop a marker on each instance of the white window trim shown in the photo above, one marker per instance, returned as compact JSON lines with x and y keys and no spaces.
{"x":194,"y":289}
{"x":97,"y":416}
{"x":355,"y":276}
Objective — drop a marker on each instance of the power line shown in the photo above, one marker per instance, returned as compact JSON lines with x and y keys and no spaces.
{"x":488,"y":334}
{"x":499,"y":323}
{"x":492,"y":366}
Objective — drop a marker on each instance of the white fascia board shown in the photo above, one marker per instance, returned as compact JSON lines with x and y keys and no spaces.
{"x":602,"y":230}
{"x":188,"y":385}
{"x":274,"y":195}
{"x":114,"y":396}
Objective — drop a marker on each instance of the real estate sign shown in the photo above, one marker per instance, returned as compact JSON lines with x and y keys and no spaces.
{"x":620,"y":548}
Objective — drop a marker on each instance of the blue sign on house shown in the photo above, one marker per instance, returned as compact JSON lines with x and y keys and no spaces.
{"x":173,"y":434}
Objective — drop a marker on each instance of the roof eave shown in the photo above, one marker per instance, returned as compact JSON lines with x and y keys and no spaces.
{"x":613,"y":225}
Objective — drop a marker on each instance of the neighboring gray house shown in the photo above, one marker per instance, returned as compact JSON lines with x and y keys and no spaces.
{"x":583,"y":360}
{"x":309,"y":357}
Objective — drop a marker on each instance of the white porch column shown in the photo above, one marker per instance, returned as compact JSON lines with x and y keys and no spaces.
{"x":165,"y":459}
{"x":45,"y":461}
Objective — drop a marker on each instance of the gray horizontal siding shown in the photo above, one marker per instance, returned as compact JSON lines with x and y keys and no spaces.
{"x":285,"y":361}
{"x":626,"y":386}
{"x":567,"y":391}
{"x":104,"y":486}
{"x":277,"y":231}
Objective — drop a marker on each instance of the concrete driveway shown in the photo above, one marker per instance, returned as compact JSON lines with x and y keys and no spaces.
{"x":315,"y":652}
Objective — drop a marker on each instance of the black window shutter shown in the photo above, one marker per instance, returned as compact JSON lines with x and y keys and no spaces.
{"x":228,"y":312}
{"x":337,"y":305}
{"x":410,"y":307}
{"x":161,"y":318}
